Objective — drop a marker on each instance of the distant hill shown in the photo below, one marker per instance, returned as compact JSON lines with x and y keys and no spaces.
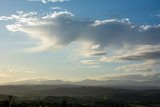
{"x":113,"y":89}
{"x":83,"y":95}
{"x":42,"y":91}
{"x":111,"y":83}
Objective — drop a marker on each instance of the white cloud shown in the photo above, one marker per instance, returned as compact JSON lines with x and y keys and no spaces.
{"x":56,"y":8}
{"x":157,"y":13}
{"x":147,"y":66}
{"x":9,"y":71}
{"x":145,"y":57}
{"x":148,"y":76}
{"x":3,"y":75}
{"x":88,"y":48}
{"x":35,"y":28}
{"x":46,"y":1}
{"x":138,"y":52}
{"x":5,"y":18}
{"x":95,"y":47}
{"x":88,"y":52}
{"x":58,"y":29}
{"x":89,"y":62}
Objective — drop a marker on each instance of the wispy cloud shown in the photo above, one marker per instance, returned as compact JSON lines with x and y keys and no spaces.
{"x":45,"y":1}
{"x":136,"y":53}
{"x":19,"y":70}
{"x":56,"y":8}
{"x":5,"y":18}
{"x":3,"y":75}
{"x":145,"y":58}
{"x":147,"y":66}
{"x":158,"y":15}
{"x":89,"y":62}
{"x":148,"y":76}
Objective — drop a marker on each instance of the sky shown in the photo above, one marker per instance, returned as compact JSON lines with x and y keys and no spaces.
{"x":74,"y":40}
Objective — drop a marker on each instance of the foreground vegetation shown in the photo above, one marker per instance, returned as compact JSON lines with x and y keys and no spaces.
{"x":52,"y":101}
{"x":78,"y":97}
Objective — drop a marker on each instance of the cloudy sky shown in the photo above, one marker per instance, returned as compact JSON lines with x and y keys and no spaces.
{"x":79,"y":39}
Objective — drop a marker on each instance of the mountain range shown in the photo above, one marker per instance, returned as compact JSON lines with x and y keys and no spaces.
{"x":87,"y":82}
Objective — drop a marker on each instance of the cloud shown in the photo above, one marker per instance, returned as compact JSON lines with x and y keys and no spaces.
{"x":146,"y":58}
{"x":158,"y":15}
{"x":19,"y":70}
{"x":89,"y":62}
{"x":46,"y":1}
{"x":59,"y":29}
{"x":129,"y":76}
{"x":90,"y":52}
{"x":40,"y":29}
{"x":88,"y":48}
{"x":139,"y":52}
{"x":147,"y":66}
{"x":3,"y":75}
{"x":56,"y":8}
{"x":5,"y":18}
{"x":142,"y":55}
